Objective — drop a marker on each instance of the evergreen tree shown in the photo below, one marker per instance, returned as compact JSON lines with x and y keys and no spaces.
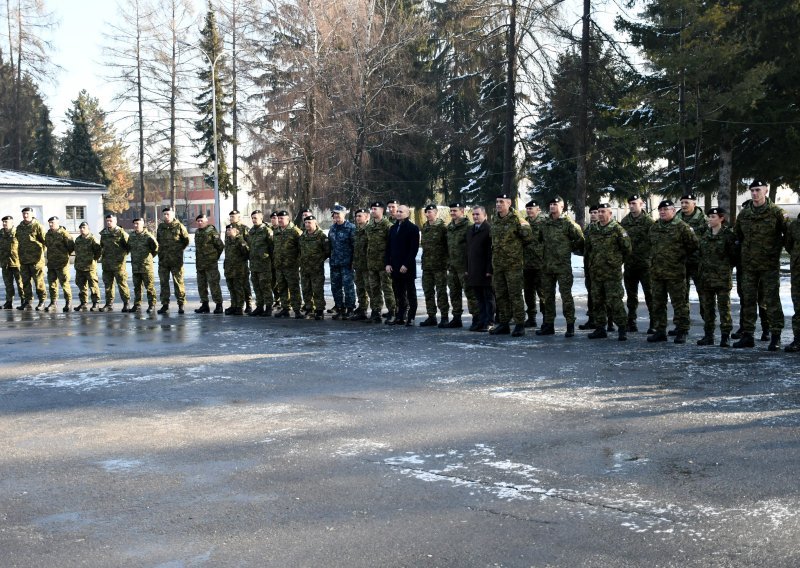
{"x":44,"y":158}
{"x":79,"y":159}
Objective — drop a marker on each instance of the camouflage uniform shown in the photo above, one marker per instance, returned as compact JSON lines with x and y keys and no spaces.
{"x":235,"y":267}
{"x":670,"y":245}
{"x":457,"y":268}
{"x":261,"y":245}
{"x":173,"y":238}
{"x":9,"y":263}
{"x":208,"y":248}
{"x":380,"y":284}
{"x":560,"y":238}
{"x":699,"y":223}
{"x":143,"y":248}
{"x":30,"y":237}
{"x":87,"y":253}
{"x":360,"y":268}
{"x":532,"y":273}
{"x":637,"y":265}
{"x":287,"y":261}
{"x":244,"y":231}
{"x":342,"y":240}
{"x":793,"y":248}
{"x":434,"y":267}
{"x":60,"y":245}
{"x":314,"y":249}
{"x":510,"y":235}
{"x":717,"y":258}
{"x":760,"y":232}
{"x":607,"y":247}
{"x":114,"y":246}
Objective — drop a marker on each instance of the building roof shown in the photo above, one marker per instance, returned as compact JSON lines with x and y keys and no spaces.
{"x":11,"y":179}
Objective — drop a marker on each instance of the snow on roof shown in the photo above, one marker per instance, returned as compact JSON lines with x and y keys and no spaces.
{"x":18,"y":180}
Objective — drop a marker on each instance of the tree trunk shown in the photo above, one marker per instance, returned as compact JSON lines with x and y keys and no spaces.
{"x":773,"y":190}
{"x":140,"y":110}
{"x":234,"y":109}
{"x":508,"y":147}
{"x":581,"y":181}
{"x":725,"y":178}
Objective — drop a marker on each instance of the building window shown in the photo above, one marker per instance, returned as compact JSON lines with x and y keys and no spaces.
{"x":76,"y":214}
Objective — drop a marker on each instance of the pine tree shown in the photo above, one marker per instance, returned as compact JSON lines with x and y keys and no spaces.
{"x":79,"y":159}
{"x":44,"y":158}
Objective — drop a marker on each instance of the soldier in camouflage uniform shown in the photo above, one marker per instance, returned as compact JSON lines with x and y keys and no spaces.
{"x":261,"y":246}
{"x":114,"y":250}
{"x":696,"y":219}
{"x":457,"y":231}
{"x":637,"y":224}
{"x":235,"y":219}
{"x":532,"y":273}
{"x":9,"y":260}
{"x":143,"y":247}
{"x":60,"y":247}
{"x":607,"y":246}
{"x":360,"y":265}
{"x":510,"y":235}
{"x":760,"y":230}
{"x":671,"y":242}
{"x":286,"y":258}
{"x":208,"y":248}
{"x":234,"y":265}
{"x":276,"y":296}
{"x":717,"y":258}
{"x":560,"y":237}
{"x":380,"y":283}
{"x":314,"y":249}
{"x":30,"y":239}
{"x":342,"y":238}
{"x":762,"y":306}
{"x":173,"y":238}
{"x":87,"y":253}
{"x":587,"y":276}
{"x":434,"y":267}
{"x":793,"y":248}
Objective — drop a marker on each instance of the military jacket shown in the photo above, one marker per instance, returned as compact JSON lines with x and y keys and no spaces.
{"x":793,"y":243}
{"x":60,"y":246}
{"x":638,"y":229}
{"x":30,"y":237}
{"x":208,"y":247}
{"x":560,"y":238}
{"x":9,"y":249}
{"x":342,"y":239}
{"x":172,"y":239}
{"x":87,"y":252}
{"x":143,"y":247}
{"x":434,"y":245}
{"x":236,"y":253}
{"x":671,"y":244}
{"x":699,"y":223}
{"x":114,"y":246}
{"x":377,"y":238}
{"x":244,"y":230}
{"x":509,"y":236}
{"x":760,"y":232}
{"x":360,"y":248}
{"x":457,"y":245}
{"x":535,"y":249}
{"x":606,"y":250}
{"x":260,"y":242}
{"x":286,"y":253}
{"x":314,"y":249}
{"x":717,"y":258}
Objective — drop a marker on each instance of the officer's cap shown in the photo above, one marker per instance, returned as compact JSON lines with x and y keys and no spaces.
{"x":666,"y":203}
{"x":593,"y":207}
{"x":53,"y":218}
{"x":604,"y":206}
{"x":339,"y":209}
{"x":556,"y":199}
{"x":392,"y":202}
{"x":201,"y":216}
{"x":431,"y":207}
{"x":456,"y":205}
{"x":361,"y":211}
{"x":232,"y":227}
{"x":83,"y":224}
{"x":754,"y":183}
{"x":8,"y":218}
{"x":690,"y":196}
{"x":137,"y":219}
{"x":28,"y":210}
{"x":111,"y":216}
{"x":376,"y":204}
{"x":310,"y":218}
{"x":503,"y":196}
{"x":234,"y":212}
{"x":256,"y":212}
{"x":716,"y":211}
{"x":273,"y":214}
{"x":165,"y":210}
{"x":305,"y":211}
{"x":532,"y":203}
{"x":634,"y":197}
{"x":283,"y":213}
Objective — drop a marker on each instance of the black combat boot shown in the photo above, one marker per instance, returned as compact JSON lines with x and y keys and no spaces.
{"x":229,"y":311}
{"x":673,"y":332}
{"x":249,"y":309}
{"x":348,"y":314}
{"x":651,"y":329}
{"x":632,"y":327}
{"x":137,"y":307}
{"x":737,"y":334}
{"x":284,"y":313}
{"x":267,"y":312}
{"x":546,"y":329}
{"x":338,"y":313}
{"x":707,"y":339}
{"x":598,"y":333}
{"x":8,"y":305}
{"x":519,"y":330}
{"x":775,"y":342}
{"x":455,"y":323}
{"x":500,"y":329}
{"x":765,"y":335}
{"x":81,"y":307}
{"x":51,"y":306}
{"x":657,"y":337}
{"x":125,"y":307}
{"x":257,"y":312}
{"x":24,"y":305}
{"x":375,"y":317}
{"x":332,"y":310}
{"x":444,"y":323}
{"x":40,"y":305}
{"x":218,"y":309}
{"x":390,"y":315}
{"x":151,"y":307}
{"x":94,"y":307}
{"x":181,"y":311}
{"x":476,"y":325}
{"x":107,"y":308}
{"x":237,"y":312}
{"x":610,"y":326}
{"x":410,"y":322}
{"x":746,"y":340}
{"x":723,"y":342}
{"x":430,"y":322}
{"x":680,"y":337}
{"x":319,"y":315}
{"x":299,"y":315}
{"x":531,"y":321}
{"x":67,"y":307}
{"x":164,"y":309}
{"x":570,"y":330}
{"x":793,"y":347}
{"x":622,"y":335}
{"x":359,"y":315}
{"x":588,"y":325}
{"x":203,"y":309}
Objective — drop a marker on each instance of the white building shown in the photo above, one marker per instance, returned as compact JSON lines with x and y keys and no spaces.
{"x":72,"y":201}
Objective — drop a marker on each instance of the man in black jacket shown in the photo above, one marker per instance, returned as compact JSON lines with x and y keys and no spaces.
{"x":401,"y":265}
{"x":479,"y":269}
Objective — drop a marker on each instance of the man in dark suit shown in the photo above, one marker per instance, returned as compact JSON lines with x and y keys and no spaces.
{"x":401,"y":265}
{"x":479,"y":268}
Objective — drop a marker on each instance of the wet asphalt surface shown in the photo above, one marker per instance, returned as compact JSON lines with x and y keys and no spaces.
{"x":172,"y":441}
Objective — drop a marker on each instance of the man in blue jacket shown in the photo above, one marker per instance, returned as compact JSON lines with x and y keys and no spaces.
{"x":342,"y":235}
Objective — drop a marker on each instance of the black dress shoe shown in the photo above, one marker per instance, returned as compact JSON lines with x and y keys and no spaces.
{"x":500,"y":329}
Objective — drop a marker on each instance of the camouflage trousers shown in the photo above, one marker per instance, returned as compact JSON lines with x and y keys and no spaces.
{"x":289,"y":287}
{"x":262,"y":286}
{"x":693,"y":275}
{"x":10,"y":277}
{"x":607,"y":301}
{"x":313,"y":282}
{"x":86,"y":281}
{"x":590,"y":303}
{"x":456,"y":282}
{"x":248,"y":292}
{"x":380,"y":289}
{"x":362,"y":288}
{"x":208,"y":278}
{"x":633,"y":276}
{"x":342,"y":287}
{"x":33,"y":272}
{"x":165,"y":271}
{"x":762,"y":305}
{"x":120,"y":276}
{"x":796,"y":301}
{"x":275,"y":291}
{"x":59,"y":277}
{"x":752,"y":280}
{"x":434,"y":286}
{"x":508,"y":296}
{"x":676,"y":290}
{"x":564,"y":281}
{"x":144,"y":281}
{"x":235,"y":284}
{"x":710,"y":299}
{"x":533,"y":290}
